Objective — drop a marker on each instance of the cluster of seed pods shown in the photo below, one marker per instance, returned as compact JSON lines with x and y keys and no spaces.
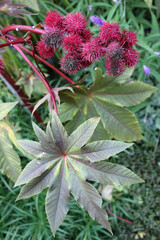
{"x":82,"y":49}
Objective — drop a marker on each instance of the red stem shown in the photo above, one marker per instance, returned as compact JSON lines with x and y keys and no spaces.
{"x":125,"y":220}
{"x":40,"y":59}
{"x":21,"y":95}
{"x":39,"y":75}
{"x":11,"y":43}
{"x":48,"y":64}
{"x":21,"y":28}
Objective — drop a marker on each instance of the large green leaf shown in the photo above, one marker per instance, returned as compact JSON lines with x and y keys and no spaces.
{"x":107,"y":98}
{"x":9,"y":159}
{"x":5,"y":108}
{"x":63,"y":163}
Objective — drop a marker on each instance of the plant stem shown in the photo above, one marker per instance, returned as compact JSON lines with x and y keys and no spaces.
{"x":39,"y":75}
{"x":12,"y":42}
{"x":21,"y":28}
{"x":48,"y":64}
{"x":125,"y":220}
{"x":21,"y":95}
{"x":39,"y":58}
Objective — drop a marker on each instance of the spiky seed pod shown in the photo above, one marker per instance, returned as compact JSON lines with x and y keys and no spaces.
{"x":115,"y":68}
{"x":130,"y":38}
{"x":43,"y":51}
{"x":53,"y":38}
{"x":85,"y":63}
{"x":86,"y":35}
{"x":54,"y":19}
{"x":114,"y":52}
{"x":131,"y":57}
{"x":110,"y":32}
{"x":70,"y":63}
{"x":75,"y":23}
{"x":72,"y":43}
{"x":92,"y":51}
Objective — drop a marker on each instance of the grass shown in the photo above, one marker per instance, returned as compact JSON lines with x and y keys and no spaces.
{"x":26,"y":219}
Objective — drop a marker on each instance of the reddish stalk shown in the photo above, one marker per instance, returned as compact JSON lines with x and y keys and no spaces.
{"x":21,"y":28}
{"x":39,"y":75}
{"x":48,"y":64}
{"x":21,"y":95}
{"x":39,"y":58}
{"x":12,"y":43}
{"x":125,"y":220}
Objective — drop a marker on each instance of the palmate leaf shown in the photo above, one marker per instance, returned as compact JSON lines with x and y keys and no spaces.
{"x":63,"y":163}
{"x":107,"y":97}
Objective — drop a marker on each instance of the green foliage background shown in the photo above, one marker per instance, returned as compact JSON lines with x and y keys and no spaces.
{"x":26,"y":219}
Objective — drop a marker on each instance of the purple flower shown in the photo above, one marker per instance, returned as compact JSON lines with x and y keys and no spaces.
{"x":158,"y":53}
{"x":146,"y":70}
{"x":90,"y":8}
{"x":116,"y":1}
{"x":97,"y":20}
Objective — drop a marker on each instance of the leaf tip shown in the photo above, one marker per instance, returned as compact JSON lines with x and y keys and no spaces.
{"x":18,"y":198}
{"x":141,"y":180}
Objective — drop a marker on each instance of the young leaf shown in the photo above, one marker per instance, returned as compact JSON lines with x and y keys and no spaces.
{"x":5,"y":108}
{"x":107,"y":98}
{"x":64,"y":163}
{"x":9,"y":159}
{"x":48,"y":98}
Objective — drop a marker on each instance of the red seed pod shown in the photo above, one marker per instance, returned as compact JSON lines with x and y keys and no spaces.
{"x":86,"y":35}
{"x":86,"y":63}
{"x":131,"y":57}
{"x":114,"y":52}
{"x":52,"y":38}
{"x":54,"y":19}
{"x":92,"y":51}
{"x":43,"y":51}
{"x":130,"y":38}
{"x":75,"y":23}
{"x":115,"y":68}
{"x":72,"y":43}
{"x":110,"y":32}
{"x":71,"y":64}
